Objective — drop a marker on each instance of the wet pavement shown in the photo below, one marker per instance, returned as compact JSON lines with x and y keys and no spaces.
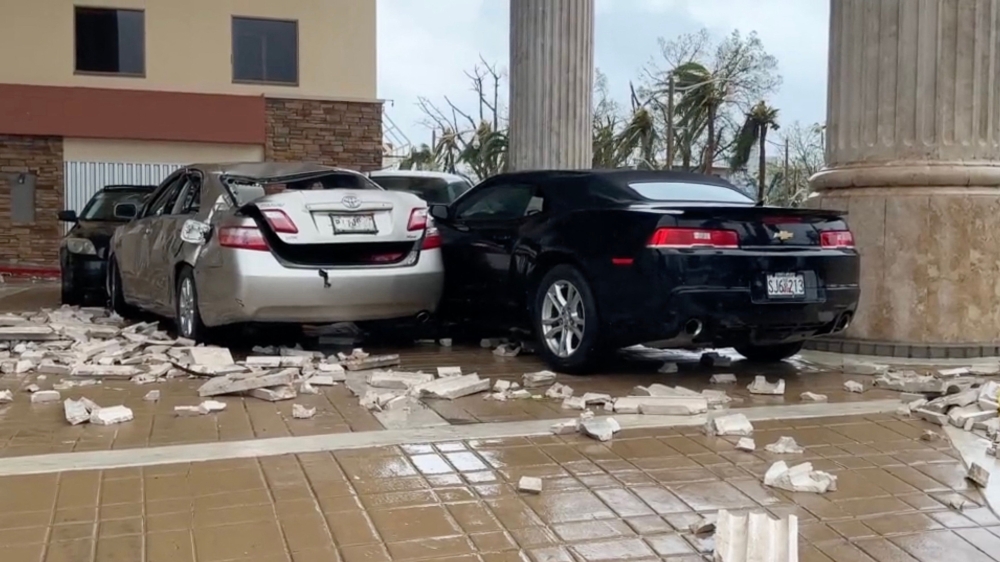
{"x":629,"y":499}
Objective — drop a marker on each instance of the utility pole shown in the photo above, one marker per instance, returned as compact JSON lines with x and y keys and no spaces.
{"x":670,"y":122}
{"x":785,"y":177}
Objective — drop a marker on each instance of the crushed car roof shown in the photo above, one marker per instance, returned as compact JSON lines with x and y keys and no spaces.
{"x":263,"y":170}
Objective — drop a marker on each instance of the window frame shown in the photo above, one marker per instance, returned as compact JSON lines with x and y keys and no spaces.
{"x":232,"y":58}
{"x":485,"y":191}
{"x":78,"y":72}
{"x":174,"y":181}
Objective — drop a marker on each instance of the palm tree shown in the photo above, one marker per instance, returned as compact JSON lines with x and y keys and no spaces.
{"x":702,"y":93}
{"x":485,"y":150}
{"x":447,"y":151}
{"x":419,"y":159}
{"x":761,"y":119}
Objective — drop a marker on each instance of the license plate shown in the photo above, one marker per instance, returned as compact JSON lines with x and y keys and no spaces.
{"x":786,"y":285}
{"x":353,"y":224}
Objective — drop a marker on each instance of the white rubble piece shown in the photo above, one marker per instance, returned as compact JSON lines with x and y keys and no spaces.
{"x":49,"y":368}
{"x":210,"y":356}
{"x":538,"y":380}
{"x":322,"y":380}
{"x":501,"y":385}
{"x":43,"y":396}
{"x":558,"y":391}
{"x":332,"y":369}
{"x":662,"y":405}
{"x":756,"y":537}
{"x":953,"y":372}
{"x":784,"y":446}
{"x":274,"y":393}
{"x":715,"y":359}
{"x":152,"y":396}
{"x":574,"y":403}
{"x":929,"y":416}
{"x":397,"y":380}
{"x":813,"y":397}
{"x":959,"y":416}
{"x":567,"y":427}
{"x":209,"y":406}
{"x":241,"y":382}
{"x":854,"y":386}
{"x":929,"y":435}
{"x":454,"y":387}
{"x":911,"y":381}
{"x":263,"y":361}
{"x":746,"y":444}
{"x":32,"y":388}
{"x":507,"y":350}
{"x":76,"y":411}
{"x":372,"y":362}
{"x":732,"y":424}
{"x":449,"y":371}
{"x":799,"y":478}
{"x":599,"y":428}
{"x":667,"y":368}
{"x":716,"y":397}
{"x":297,"y":351}
{"x":145,"y":378}
{"x":978,"y":475}
{"x":28,"y":333}
{"x":306,"y":388}
{"x":865,"y":368}
{"x":23,"y":366}
{"x":111,"y":415}
{"x":444,"y":342}
{"x":987,"y":370}
{"x":722,"y":378}
{"x":761,"y":386}
{"x":105,"y":371}
{"x":530,"y":484}
{"x":904,"y":411}
{"x":300,"y":412}
{"x":595,"y":398}
{"x":521,"y":394}
{"x":6,"y":396}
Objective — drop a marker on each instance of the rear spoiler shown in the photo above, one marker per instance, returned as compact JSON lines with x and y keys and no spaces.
{"x":750,"y":212}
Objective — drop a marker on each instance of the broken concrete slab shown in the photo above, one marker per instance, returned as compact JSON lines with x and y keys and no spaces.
{"x":538,"y":380}
{"x":210,"y":356}
{"x":300,"y":412}
{"x":507,"y":350}
{"x":371,"y":362}
{"x":49,"y":368}
{"x":322,"y":380}
{"x":453,"y":387}
{"x":241,"y":382}
{"x":274,"y":394}
{"x":761,"y":386}
{"x":978,"y":475}
{"x":105,"y":371}
{"x":959,"y":416}
{"x":799,"y":478}
{"x":152,"y":396}
{"x":76,"y":411}
{"x":722,"y":378}
{"x":111,"y":415}
{"x":28,"y":333}
{"x":521,"y":394}
{"x":567,"y":427}
{"x":929,"y":416}
{"x":397,"y":380}
{"x":662,"y":405}
{"x":599,"y":428}
{"x":784,"y":446}
{"x":558,"y":391}
{"x":753,"y":537}
{"x":746,"y":444}
{"x":732,"y":424}
{"x":449,"y":371}
{"x":530,"y":484}
{"x":854,"y":386}
{"x":596,"y":398}
{"x":813,"y":397}
{"x":44,"y":396}
{"x":263,"y":361}
{"x":574,"y":403}
{"x":6,"y":396}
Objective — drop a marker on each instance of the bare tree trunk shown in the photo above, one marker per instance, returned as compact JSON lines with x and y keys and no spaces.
{"x":709,"y":156}
{"x":761,"y":164}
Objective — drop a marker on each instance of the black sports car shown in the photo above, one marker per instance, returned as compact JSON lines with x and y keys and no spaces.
{"x":597,"y":260}
{"x":84,"y":250}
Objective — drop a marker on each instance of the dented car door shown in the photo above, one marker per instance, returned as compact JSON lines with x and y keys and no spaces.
{"x":166,"y":244}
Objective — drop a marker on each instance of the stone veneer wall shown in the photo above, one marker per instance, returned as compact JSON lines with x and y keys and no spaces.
{"x":36,"y":243}
{"x":336,"y":133}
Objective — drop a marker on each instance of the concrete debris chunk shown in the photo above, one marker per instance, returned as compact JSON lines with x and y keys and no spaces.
{"x":27,"y":333}
{"x":574,"y":403}
{"x":152,"y":396}
{"x":784,"y":446}
{"x":6,"y":396}
{"x":263,"y":361}
{"x":444,"y":342}
{"x":333,"y":369}
{"x":761,"y":386}
{"x":911,"y":381}
{"x":755,"y":536}
{"x":558,"y":391}
{"x":111,"y":415}
{"x":667,"y":368}
{"x":43,"y":396}
{"x":530,"y":484}
{"x":746,"y":444}
{"x":210,"y":356}
{"x":715,"y":359}
{"x":105,"y":371}
{"x":372,"y":362}
{"x":538,"y":380}
{"x":300,"y":412}
{"x":306,"y":388}
{"x":520,"y":394}
{"x":397,"y":380}
{"x":451,"y":388}
{"x":76,"y":411}
{"x":716,"y":397}
{"x":929,"y":416}
{"x":954,"y":372}
{"x":507,"y":350}
{"x":598,"y":428}
{"x":501,"y":385}
{"x":567,"y":427}
{"x":799,"y":478}
{"x":962,"y":415}
{"x":595,"y":398}
{"x":23,"y":366}
{"x":732,"y":424}
{"x":241,"y":382}
{"x":865,"y":368}
{"x":722,"y":378}
{"x":854,"y":386}
{"x":449,"y":371}
{"x":274,"y":394}
{"x":929,"y":435}
{"x":978,"y":475}
{"x":209,"y":406}
{"x":322,"y":380}
{"x":661,"y":405}
{"x":813,"y":397}
{"x":32,"y":388}
{"x":49,"y":368}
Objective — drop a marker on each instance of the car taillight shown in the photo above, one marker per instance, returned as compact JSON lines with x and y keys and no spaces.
{"x":694,"y":238}
{"x":280,"y":222}
{"x":432,"y":239}
{"x":836,"y":239}
{"x":418,"y":220}
{"x":242,"y":237}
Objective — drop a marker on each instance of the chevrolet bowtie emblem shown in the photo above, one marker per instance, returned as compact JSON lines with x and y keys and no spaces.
{"x":783,"y":235}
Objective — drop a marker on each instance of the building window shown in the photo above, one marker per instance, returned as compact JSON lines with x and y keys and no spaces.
{"x":265,"y":51}
{"x":110,"y":41}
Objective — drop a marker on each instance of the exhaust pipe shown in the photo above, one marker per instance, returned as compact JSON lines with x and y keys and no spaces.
{"x":844,"y":322}
{"x":693,"y":328}
{"x":423,"y":317}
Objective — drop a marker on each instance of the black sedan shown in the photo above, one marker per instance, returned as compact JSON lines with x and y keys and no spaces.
{"x":84,"y":250}
{"x":593,"y":261}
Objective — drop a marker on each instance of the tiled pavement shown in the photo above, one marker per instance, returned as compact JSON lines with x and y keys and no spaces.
{"x":629,"y":499}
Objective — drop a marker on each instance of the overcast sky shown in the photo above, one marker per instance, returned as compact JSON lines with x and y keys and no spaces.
{"x":425,"y":45}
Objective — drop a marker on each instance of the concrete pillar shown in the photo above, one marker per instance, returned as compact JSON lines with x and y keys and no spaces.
{"x":551,"y":84}
{"x":913,"y":155}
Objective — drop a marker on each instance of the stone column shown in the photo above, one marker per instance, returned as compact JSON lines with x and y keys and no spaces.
{"x":913,"y":156}
{"x":551,"y":84}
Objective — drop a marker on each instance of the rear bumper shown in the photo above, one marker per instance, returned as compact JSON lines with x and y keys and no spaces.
{"x":262,"y":290}
{"x":726,"y":293}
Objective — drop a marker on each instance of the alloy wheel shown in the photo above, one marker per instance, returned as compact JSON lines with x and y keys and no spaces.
{"x":186,"y":308}
{"x":563,"y":318}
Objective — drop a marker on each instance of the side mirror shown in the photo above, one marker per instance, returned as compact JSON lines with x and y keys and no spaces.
{"x":195,"y":232}
{"x":126,"y":211}
{"x":68,"y":216}
{"x":441,"y":212}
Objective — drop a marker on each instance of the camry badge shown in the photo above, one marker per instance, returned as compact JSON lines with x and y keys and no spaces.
{"x":783,"y":235}
{"x":351,"y":202}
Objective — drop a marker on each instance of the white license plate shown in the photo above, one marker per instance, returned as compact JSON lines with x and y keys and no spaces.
{"x":353,"y":224}
{"x":786,"y":285}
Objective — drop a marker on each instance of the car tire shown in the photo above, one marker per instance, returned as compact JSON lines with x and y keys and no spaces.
{"x":548,"y":321}
{"x":116,"y":295}
{"x":770,"y":353}
{"x":186,"y":313}
{"x":69,"y":294}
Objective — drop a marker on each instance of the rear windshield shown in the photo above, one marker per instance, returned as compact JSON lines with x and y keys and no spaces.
{"x":680,"y":191}
{"x":432,"y":190}
{"x":102,"y":206}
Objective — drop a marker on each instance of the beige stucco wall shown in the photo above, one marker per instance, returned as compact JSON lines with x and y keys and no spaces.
{"x":156,"y":152}
{"x":189,"y":45}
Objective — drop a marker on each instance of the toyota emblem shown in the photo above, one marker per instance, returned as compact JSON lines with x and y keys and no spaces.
{"x":351,"y":202}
